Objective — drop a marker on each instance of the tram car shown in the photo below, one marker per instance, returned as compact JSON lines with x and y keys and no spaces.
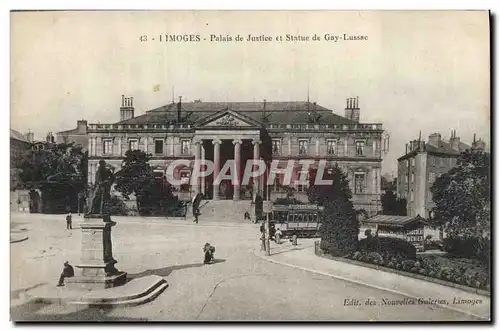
{"x":302,"y":220}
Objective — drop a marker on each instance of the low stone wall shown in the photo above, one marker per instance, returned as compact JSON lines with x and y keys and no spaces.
{"x":319,"y":252}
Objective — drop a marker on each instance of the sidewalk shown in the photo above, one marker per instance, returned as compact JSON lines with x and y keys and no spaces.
{"x":18,"y":220}
{"x":303,"y":257}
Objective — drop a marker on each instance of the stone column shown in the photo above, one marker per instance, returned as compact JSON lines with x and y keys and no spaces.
{"x":216,"y":143}
{"x":317,"y":146}
{"x":237,"y":162}
{"x":145,"y":144}
{"x":90,"y":146}
{"x":196,"y":168}
{"x":289,"y":145}
{"x":374,"y":181}
{"x":379,"y":177}
{"x":256,"y":158}
{"x":120,"y":153}
{"x":203,"y":180}
{"x":98,"y":147}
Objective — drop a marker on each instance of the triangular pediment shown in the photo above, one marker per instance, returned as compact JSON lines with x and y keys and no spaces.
{"x":228,"y":119}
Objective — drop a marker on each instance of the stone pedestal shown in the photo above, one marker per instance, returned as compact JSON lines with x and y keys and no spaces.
{"x":97,"y":267}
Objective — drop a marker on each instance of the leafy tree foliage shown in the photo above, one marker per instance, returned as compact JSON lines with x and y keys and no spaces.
{"x":462,"y":197}
{"x":59,"y":171}
{"x":387,"y":184}
{"x":339,"y":230}
{"x":392,"y":205}
{"x":153,"y":194}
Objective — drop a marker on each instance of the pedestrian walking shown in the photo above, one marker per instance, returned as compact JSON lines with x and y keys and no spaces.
{"x":196,"y":213}
{"x":68,"y":271}
{"x":69,"y":222}
{"x":277,"y":236}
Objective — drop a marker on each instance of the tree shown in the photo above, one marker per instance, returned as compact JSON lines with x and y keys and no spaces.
{"x":392,"y":205}
{"x":462,"y":197}
{"x":339,"y":229}
{"x":60,"y":172}
{"x":387,"y":184}
{"x":137,"y":176}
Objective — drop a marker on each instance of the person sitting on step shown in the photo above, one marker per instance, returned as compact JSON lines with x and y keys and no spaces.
{"x":67,"y":272}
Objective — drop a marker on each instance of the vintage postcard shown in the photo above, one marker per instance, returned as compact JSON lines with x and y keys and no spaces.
{"x":250,"y":166}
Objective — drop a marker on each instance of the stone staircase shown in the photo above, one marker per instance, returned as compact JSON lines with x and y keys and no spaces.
{"x":226,"y":210}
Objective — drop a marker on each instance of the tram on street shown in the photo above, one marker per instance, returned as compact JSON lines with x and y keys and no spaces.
{"x":302,"y":220}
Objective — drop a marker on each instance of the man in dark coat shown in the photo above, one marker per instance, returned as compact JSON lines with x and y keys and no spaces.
{"x":67,"y":272}
{"x":69,"y":221}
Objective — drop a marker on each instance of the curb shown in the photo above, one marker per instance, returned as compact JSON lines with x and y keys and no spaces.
{"x":366,"y":284}
{"x":104,"y":299}
{"x":12,"y":241}
{"x":408,"y":274}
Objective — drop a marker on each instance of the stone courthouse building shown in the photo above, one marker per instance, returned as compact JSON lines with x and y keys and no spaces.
{"x":219,"y":131}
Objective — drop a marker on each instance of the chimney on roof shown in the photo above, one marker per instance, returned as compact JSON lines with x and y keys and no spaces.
{"x":264,"y":109}
{"x":479,"y":145}
{"x":454,"y":141}
{"x":352,"y":109}
{"x":81,"y":126}
{"x":30,"y":136}
{"x":127,"y":108}
{"x":179,"y":110}
{"x":435,"y":139}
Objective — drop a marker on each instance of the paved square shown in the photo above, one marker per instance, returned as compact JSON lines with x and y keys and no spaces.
{"x":239,"y":286}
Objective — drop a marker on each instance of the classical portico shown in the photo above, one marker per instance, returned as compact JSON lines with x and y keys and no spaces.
{"x":239,"y":139}
{"x":204,"y":141}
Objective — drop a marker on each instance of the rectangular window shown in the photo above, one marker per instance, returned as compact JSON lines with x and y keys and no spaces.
{"x":412,"y":162}
{"x":331,"y":147}
{"x":303,"y":147}
{"x":412,"y":178}
{"x":411,"y":196}
{"x":133,"y":144}
{"x":432,"y":177}
{"x":185,"y":147}
{"x":276,"y":146}
{"x":359,"y":183}
{"x":158,"y":146}
{"x":107,"y":146}
{"x":431,"y":160}
{"x":360,"y":148}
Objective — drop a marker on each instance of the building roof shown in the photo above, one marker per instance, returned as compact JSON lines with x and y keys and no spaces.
{"x":443,"y":148}
{"x":18,"y":136}
{"x":294,"y":112}
{"x":393,"y":220}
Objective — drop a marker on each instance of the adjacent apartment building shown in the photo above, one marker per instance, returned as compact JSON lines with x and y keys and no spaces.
{"x":20,"y":144}
{"x":422,"y":163}
{"x":218,"y":131}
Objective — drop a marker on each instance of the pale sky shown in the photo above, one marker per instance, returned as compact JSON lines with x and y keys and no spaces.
{"x":425,"y":71}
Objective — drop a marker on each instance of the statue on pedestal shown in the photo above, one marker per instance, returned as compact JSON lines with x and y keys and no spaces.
{"x":101,"y":193}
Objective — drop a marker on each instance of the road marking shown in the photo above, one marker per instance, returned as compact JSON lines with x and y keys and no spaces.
{"x":365,"y":284}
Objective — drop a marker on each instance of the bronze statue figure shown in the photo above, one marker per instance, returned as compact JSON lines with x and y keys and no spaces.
{"x":101,"y":193}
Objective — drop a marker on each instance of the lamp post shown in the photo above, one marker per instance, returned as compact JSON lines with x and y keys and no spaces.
{"x":267,"y":209}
